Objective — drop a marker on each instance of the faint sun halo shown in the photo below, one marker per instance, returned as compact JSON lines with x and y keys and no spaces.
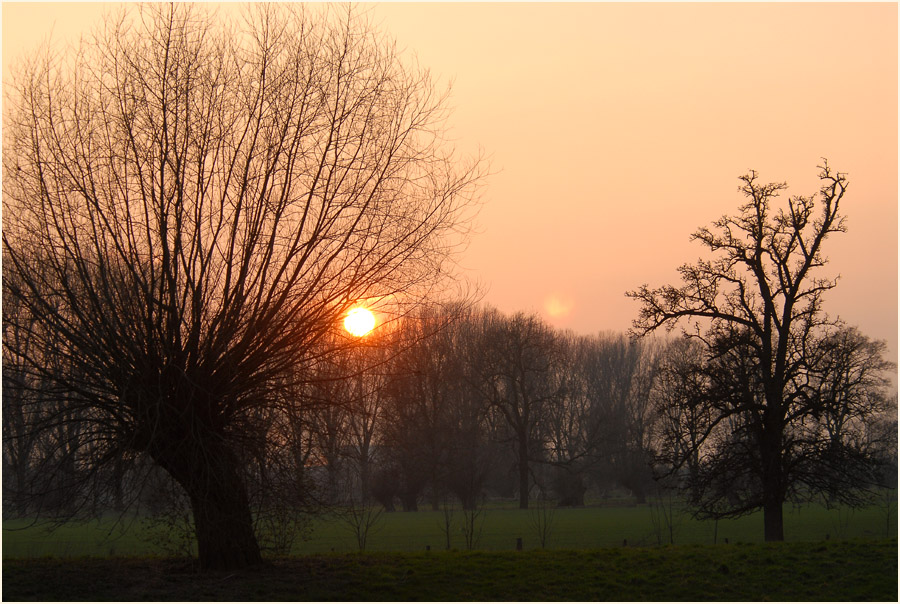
{"x":359,"y":321}
{"x":557,"y":306}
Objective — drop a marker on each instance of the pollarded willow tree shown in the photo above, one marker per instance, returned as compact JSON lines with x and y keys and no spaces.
{"x":768,"y":408}
{"x":190,"y":205}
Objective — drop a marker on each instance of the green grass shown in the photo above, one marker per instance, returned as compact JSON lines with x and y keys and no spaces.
{"x":579,"y":528}
{"x":104,"y":537}
{"x":591,"y":527}
{"x":844,"y":570}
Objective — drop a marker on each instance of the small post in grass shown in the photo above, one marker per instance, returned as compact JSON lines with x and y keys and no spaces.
{"x":518,"y":544}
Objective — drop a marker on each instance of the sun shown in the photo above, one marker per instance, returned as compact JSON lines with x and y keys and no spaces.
{"x":359,"y":321}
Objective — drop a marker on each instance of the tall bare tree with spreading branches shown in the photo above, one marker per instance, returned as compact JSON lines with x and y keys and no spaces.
{"x":769,"y":353}
{"x":190,"y":205}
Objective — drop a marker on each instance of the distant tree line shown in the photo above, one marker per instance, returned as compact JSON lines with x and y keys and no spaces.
{"x":460,"y":403}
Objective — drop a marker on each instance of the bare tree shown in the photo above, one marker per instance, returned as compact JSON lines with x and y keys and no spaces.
{"x":515,"y":361}
{"x":357,"y":511}
{"x":882,"y":434}
{"x":473,"y":524}
{"x":575,"y":426}
{"x":846,"y":388}
{"x":343,"y":399}
{"x":664,"y":514}
{"x":20,"y":441}
{"x":624,"y":379}
{"x":415,"y":428}
{"x":684,"y":413}
{"x":190,"y":206}
{"x":756,"y":308}
{"x":543,"y":515}
{"x":601,"y":425}
{"x":435,"y":422}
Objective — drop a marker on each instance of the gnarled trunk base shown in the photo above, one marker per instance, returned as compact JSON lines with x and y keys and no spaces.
{"x":224,"y":526}
{"x":208,"y":472}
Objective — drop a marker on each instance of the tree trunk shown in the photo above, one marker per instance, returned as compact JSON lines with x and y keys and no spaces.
{"x":409,"y":502}
{"x":640,"y":495}
{"x":772,"y":479}
{"x":224,"y":526}
{"x":409,"y":498}
{"x":208,"y":472}
{"x":22,"y":502}
{"x":569,"y":488}
{"x":364,"y":491}
{"x":773,"y":518}
{"x":523,"y":472}
{"x":118,"y":490}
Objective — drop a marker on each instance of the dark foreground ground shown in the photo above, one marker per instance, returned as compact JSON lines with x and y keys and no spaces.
{"x":827,"y":571}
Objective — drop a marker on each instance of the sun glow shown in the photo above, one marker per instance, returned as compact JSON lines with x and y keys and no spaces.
{"x":558,"y":306}
{"x":359,"y":321}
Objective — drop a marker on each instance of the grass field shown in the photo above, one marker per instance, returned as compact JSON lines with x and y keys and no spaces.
{"x":585,"y":560}
{"x":827,"y":571}
{"x":572,"y":528}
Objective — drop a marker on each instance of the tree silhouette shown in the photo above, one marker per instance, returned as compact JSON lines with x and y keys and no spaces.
{"x":190,"y":206}
{"x":517,"y":371}
{"x":756,"y":309}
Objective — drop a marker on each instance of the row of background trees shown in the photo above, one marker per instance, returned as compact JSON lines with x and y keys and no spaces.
{"x":463,"y":403}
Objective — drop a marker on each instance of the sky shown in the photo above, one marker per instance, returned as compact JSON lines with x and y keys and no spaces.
{"x":614,"y":131}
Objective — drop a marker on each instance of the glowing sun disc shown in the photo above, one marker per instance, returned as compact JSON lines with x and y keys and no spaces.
{"x":359,"y":321}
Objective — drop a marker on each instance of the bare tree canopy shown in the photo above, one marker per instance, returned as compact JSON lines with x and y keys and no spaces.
{"x":518,"y":365}
{"x":758,"y":391}
{"x":190,"y":206}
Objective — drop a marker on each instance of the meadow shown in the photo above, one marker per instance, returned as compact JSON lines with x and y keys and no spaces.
{"x":497,"y":529}
{"x":599,"y":552}
{"x":826,"y":571}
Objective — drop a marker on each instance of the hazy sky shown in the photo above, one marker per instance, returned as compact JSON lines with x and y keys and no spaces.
{"x":615,"y":130}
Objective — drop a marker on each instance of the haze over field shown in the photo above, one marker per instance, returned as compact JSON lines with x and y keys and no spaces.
{"x":616,"y":130}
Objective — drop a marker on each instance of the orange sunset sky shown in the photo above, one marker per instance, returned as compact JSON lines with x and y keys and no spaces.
{"x":615,"y":130}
